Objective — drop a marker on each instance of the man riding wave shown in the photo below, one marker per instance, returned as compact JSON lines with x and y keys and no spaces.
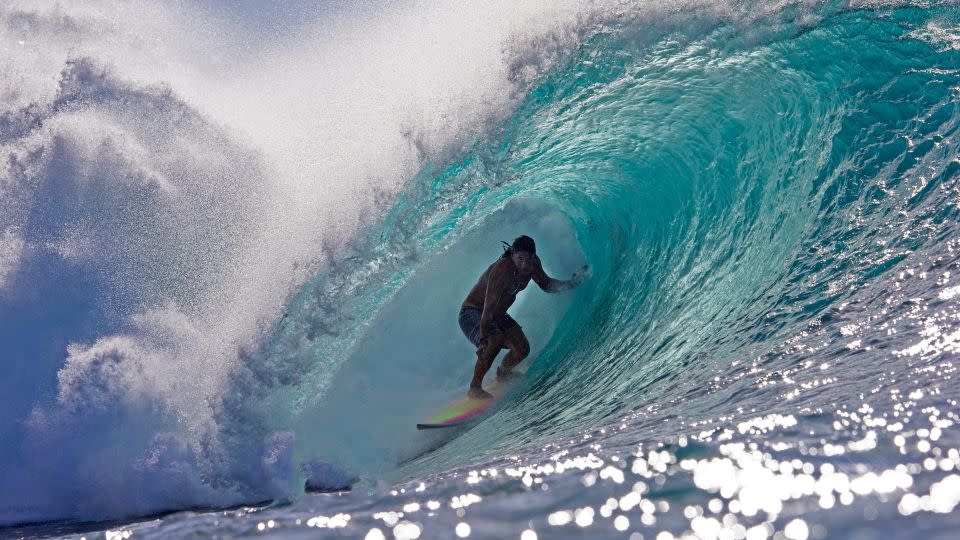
{"x":483,"y":315}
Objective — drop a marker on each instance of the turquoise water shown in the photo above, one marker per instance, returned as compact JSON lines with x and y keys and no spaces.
{"x":770,"y":212}
{"x":766,"y":346}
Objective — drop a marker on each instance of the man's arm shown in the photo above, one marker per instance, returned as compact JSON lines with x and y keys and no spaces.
{"x":551,"y":285}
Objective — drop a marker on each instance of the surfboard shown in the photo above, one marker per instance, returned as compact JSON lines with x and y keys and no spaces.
{"x":466,"y":408}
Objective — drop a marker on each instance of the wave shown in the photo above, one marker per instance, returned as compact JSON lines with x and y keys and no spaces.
{"x":168,"y":180}
{"x":733,"y":195}
{"x":193,"y":317}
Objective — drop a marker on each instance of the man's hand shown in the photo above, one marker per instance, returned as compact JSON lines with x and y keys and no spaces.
{"x":556,"y":285}
{"x":580,"y":275}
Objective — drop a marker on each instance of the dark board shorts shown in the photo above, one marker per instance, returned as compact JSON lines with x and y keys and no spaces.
{"x":470,"y":324}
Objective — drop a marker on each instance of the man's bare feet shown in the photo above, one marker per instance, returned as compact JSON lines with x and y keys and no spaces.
{"x":478,"y":393}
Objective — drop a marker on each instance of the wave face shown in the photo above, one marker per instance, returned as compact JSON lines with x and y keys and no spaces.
{"x":769,"y":204}
{"x":768,"y":196}
{"x":756,"y":218}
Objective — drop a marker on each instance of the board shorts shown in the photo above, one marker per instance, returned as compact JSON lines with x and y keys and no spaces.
{"x":470,"y":324}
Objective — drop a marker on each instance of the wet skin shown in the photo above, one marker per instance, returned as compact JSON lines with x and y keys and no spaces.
{"x":493,"y":294}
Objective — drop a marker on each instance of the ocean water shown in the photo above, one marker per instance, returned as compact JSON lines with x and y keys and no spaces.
{"x":223,"y":277}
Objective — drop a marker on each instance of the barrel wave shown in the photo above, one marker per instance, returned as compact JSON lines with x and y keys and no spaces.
{"x":770,"y":213}
{"x":734,"y":187}
{"x":768,"y":197}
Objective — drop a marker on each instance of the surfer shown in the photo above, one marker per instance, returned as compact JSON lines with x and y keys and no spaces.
{"x":483,"y":315}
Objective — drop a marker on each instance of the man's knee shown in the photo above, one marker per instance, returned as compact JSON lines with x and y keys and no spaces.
{"x":517,"y":342}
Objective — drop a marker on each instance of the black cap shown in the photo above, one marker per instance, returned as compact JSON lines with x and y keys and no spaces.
{"x":524,"y":243}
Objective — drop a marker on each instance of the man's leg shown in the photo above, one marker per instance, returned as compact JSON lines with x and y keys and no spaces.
{"x":485,"y":359}
{"x":516,"y":341}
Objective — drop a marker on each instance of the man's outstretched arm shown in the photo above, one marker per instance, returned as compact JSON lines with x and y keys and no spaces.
{"x":551,"y":285}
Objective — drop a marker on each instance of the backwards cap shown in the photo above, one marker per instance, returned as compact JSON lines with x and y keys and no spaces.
{"x":520,"y":243}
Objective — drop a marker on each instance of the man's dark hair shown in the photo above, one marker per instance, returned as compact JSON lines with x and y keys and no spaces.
{"x":520,"y":243}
